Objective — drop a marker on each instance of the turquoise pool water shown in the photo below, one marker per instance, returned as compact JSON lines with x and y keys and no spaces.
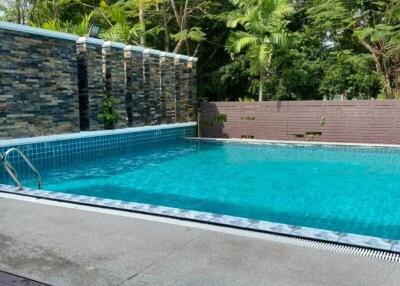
{"x":354,"y":190}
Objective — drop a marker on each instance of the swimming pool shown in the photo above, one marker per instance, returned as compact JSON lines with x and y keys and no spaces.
{"x":287,"y":188}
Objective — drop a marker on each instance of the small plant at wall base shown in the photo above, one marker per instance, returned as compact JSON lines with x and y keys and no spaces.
{"x":109,"y":116}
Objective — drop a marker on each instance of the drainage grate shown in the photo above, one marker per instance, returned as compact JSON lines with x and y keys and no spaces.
{"x":329,"y":246}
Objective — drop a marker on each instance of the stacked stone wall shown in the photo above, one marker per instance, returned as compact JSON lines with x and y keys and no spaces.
{"x":53,"y":82}
{"x":114,"y":80}
{"x":38,"y":85}
{"x":134,"y":74}
{"x":91,"y":95}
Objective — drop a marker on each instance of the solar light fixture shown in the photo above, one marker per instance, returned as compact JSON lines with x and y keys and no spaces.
{"x":94,"y":31}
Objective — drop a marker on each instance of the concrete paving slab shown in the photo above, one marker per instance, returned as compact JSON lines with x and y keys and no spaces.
{"x":64,"y":246}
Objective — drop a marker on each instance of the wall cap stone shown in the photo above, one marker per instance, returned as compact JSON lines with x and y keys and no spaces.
{"x":88,"y":40}
{"x":168,"y":55}
{"x":79,"y":40}
{"x":158,"y":53}
{"x":113,"y":45}
{"x":86,"y":134}
{"x":181,"y":57}
{"x":152,"y":52}
{"x":37,"y":31}
{"x":134,"y":48}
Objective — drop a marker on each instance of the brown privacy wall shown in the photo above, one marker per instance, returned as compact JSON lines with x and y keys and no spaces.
{"x":361,"y":121}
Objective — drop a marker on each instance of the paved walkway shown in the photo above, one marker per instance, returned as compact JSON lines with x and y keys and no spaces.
{"x":63,"y":246}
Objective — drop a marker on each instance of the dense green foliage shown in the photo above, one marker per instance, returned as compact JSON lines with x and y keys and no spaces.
{"x":247,"y":49}
{"x":263,"y":32}
{"x":108,"y":115}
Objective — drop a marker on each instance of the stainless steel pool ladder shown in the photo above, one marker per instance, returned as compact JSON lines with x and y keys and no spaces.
{"x":13,"y":173}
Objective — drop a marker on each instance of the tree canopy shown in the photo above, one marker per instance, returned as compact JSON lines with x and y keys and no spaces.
{"x":249,"y":49}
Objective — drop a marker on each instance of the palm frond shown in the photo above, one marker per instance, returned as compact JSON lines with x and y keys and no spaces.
{"x":239,"y":40}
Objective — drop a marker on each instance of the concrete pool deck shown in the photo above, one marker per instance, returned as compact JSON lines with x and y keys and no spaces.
{"x":68,"y":246}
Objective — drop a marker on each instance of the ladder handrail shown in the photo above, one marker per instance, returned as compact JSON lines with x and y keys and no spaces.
{"x":13,"y":173}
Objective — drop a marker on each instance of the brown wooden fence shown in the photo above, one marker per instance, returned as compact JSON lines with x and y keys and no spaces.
{"x":361,"y":121}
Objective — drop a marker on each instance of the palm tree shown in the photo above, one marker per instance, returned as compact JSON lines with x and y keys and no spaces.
{"x":262,"y":30}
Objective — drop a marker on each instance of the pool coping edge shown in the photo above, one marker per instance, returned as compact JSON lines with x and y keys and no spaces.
{"x":90,"y":134}
{"x":294,"y":142}
{"x":363,"y":241}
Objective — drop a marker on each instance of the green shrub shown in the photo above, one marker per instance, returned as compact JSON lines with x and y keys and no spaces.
{"x":108,"y":115}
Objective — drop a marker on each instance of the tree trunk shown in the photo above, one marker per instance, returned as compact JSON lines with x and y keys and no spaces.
{"x":181,"y":19}
{"x":178,"y":46}
{"x":165,"y":23}
{"x":18,"y":7}
{"x":381,"y":69}
{"x":387,"y":87}
{"x":261,"y":87}
{"x":142,"y":24}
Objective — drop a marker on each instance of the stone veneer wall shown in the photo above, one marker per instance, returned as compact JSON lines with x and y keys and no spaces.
{"x":155,"y":87}
{"x":114,"y":79}
{"x":167,"y":75}
{"x":179,"y":90}
{"x":135,"y":97}
{"x":53,"y":82}
{"x":92,"y":88}
{"x":38,"y":83}
{"x":192,"y":92}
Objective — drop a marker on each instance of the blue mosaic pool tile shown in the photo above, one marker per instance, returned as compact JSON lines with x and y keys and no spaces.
{"x":167,"y":211}
{"x":231,"y":220}
{"x":367,"y":241}
{"x":396,"y":246}
{"x":133,"y":206}
{"x":7,"y":188}
{"x":64,"y":149}
{"x":195,"y":215}
{"x":316,"y":234}
{"x":95,"y":143}
{"x":142,"y":208}
{"x":272,"y":227}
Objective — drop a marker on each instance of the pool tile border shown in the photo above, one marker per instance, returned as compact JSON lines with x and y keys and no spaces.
{"x":91,"y":134}
{"x":296,"y":143}
{"x":217,"y":219}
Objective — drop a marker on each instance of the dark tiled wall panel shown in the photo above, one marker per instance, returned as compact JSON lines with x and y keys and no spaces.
{"x":168,"y":89}
{"x":114,"y":78}
{"x":192,"y":92}
{"x":92,"y":90}
{"x":153,"y":90}
{"x":135,"y":97}
{"x":362,"y":121}
{"x":53,"y":83}
{"x":179,"y":68}
{"x":38,"y":85}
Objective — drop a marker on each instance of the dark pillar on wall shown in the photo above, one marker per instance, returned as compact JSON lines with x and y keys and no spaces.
{"x":192,"y":90}
{"x":181,"y":88}
{"x":90,"y":82}
{"x":178,"y":71}
{"x":163,"y":87}
{"x":168,"y":102}
{"x":134,"y":77}
{"x":114,"y":79}
{"x":146,"y":86}
{"x":152,"y":85}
